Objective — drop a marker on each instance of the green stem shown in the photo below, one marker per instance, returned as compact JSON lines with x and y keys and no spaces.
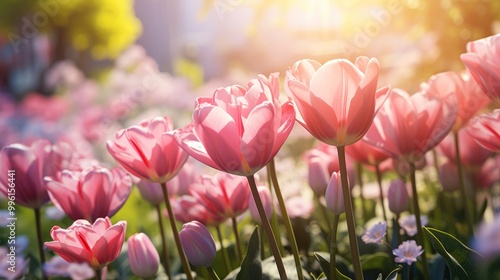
{"x":267,"y":228}
{"x":182,"y":255}
{"x":381,"y":196}
{"x":262,"y":247}
{"x":166,"y":257}
{"x":224,"y":251}
{"x":40,"y":241}
{"x":416,"y":209}
{"x":212,"y":273}
{"x":98,"y":274}
{"x":324,"y":214}
{"x":463,"y":192}
{"x":237,"y":238}
{"x":333,"y":247}
{"x":286,"y":220}
{"x":351,"y":226}
{"x":359,"y":172}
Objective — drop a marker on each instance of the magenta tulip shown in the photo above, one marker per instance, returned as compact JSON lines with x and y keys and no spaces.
{"x":142,"y":255}
{"x":336,"y":101}
{"x":482,"y":60}
{"x":239,"y":130}
{"x":97,"y":191}
{"x":198,"y":244}
{"x":97,"y":244}
{"x":148,"y":150}
{"x":25,"y":167}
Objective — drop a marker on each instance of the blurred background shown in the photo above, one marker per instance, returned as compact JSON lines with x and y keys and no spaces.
{"x":203,"y":40}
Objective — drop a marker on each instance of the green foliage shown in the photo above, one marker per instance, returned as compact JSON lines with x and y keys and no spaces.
{"x":251,"y":267}
{"x":461,"y":260}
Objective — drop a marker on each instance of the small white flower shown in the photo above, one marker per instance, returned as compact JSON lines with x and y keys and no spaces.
{"x":375,"y":233}
{"x":407,"y":252}
{"x":409,"y":224}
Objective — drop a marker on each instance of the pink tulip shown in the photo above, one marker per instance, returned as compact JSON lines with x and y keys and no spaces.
{"x":97,"y":244}
{"x":239,"y":130}
{"x":489,"y":174}
{"x":485,"y":129}
{"x":265,"y":197}
{"x":148,"y":150}
{"x":408,"y":127}
{"x":336,"y":101}
{"x":29,"y":166}
{"x":224,"y":195}
{"x":365,"y":153}
{"x":142,"y":255}
{"x":99,"y":192}
{"x":198,"y":244}
{"x":334,"y":194}
{"x":472,"y":155}
{"x":317,"y":176}
{"x":448,"y":177}
{"x":187,"y":208}
{"x":151,"y":192}
{"x":482,"y":59}
{"x":470,"y":99}
{"x":399,"y":201}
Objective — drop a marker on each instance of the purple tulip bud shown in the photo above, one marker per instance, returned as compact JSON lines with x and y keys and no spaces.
{"x":334,"y":195}
{"x":143,"y":257}
{"x":398,"y":197}
{"x":198,"y":244}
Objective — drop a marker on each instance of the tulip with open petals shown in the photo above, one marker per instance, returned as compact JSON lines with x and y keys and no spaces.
{"x":482,"y":59}
{"x":97,"y":191}
{"x":97,"y":244}
{"x":239,"y":130}
{"x":148,"y":150}
{"x":485,"y":129}
{"x":25,"y":167}
{"x":336,"y":101}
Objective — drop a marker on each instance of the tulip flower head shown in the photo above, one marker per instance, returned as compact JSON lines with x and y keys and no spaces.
{"x":198,"y":244}
{"x":148,"y":150}
{"x":97,"y":244}
{"x":336,"y":101}
{"x":239,"y":130}
{"x":485,"y":129}
{"x":334,"y":194}
{"x":143,"y":257}
{"x":398,"y":197}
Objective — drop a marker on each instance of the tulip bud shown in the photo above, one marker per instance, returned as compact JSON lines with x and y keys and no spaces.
{"x":398,"y":197}
{"x":317,"y":176}
{"x":143,"y":257}
{"x":198,"y":244}
{"x":448,"y":176}
{"x":334,"y":195}
{"x":265,"y":197}
{"x":151,"y":191}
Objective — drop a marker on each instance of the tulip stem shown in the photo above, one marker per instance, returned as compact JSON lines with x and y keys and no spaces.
{"x":286,"y":220}
{"x":237,"y":238}
{"x":182,"y":255}
{"x":223,"y":250}
{"x":333,"y":247}
{"x":351,"y":226}
{"x":463,"y":193}
{"x":166,"y":257}
{"x":359,"y":172}
{"x":381,"y":196}
{"x":212,"y":273}
{"x":267,"y":228}
{"x":40,"y":241}
{"x":98,"y":274}
{"x":274,"y":217}
{"x":416,"y":209}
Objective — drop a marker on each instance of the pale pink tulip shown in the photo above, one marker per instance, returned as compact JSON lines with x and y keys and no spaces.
{"x":472,"y":155}
{"x":142,"y":255}
{"x":485,"y":129}
{"x":336,"y":101}
{"x":334,"y":194}
{"x":408,"y":127}
{"x":239,"y":130}
{"x":365,"y":153}
{"x":29,"y":165}
{"x":489,"y":174}
{"x":148,"y":150}
{"x":224,"y":195}
{"x":198,"y":244}
{"x":187,"y":208}
{"x":399,"y":200}
{"x":97,"y":191}
{"x":469,"y":97}
{"x":97,"y":244}
{"x":482,"y":60}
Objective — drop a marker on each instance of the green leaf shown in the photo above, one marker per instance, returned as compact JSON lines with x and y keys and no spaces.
{"x":251,"y":267}
{"x":394,"y":274}
{"x":325,"y":265}
{"x":461,"y":260}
